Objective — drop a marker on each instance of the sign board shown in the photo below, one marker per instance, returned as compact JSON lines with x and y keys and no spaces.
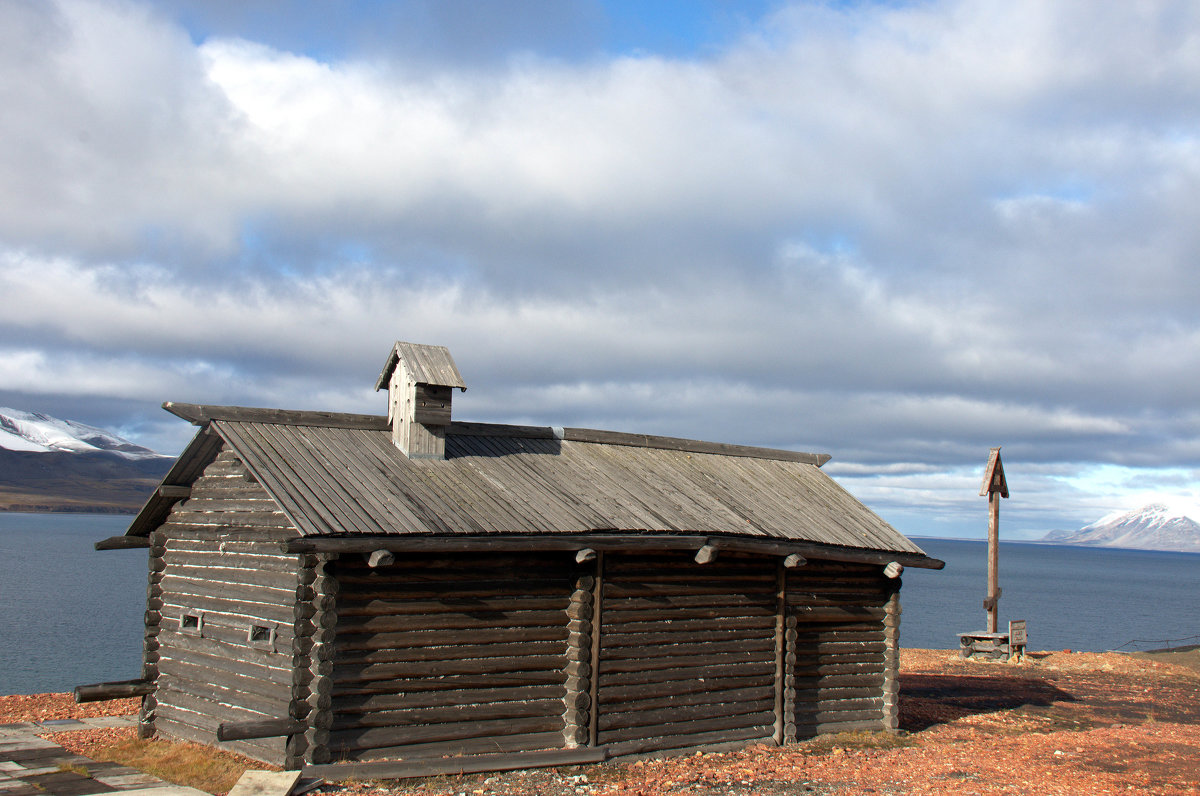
{"x":1017,"y":636}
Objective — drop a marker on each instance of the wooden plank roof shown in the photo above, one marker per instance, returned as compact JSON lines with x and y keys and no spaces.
{"x":348,"y":478}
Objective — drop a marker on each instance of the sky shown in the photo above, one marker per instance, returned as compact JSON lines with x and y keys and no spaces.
{"x":898,"y":233}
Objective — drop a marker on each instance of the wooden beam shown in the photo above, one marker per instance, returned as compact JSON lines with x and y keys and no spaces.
{"x":119,"y":689}
{"x":381,"y":558}
{"x":123,"y":543}
{"x":586,"y":554}
{"x":199,"y":414}
{"x":893,"y":569}
{"x":706,"y":554}
{"x":794,"y":560}
{"x":413,"y":543}
{"x":265,"y":728}
{"x":388,"y":769}
{"x":174,"y":491}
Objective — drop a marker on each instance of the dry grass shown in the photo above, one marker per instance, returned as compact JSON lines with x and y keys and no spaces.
{"x":182,"y":763}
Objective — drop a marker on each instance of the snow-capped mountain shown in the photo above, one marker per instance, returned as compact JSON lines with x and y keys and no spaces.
{"x":47,"y":464}
{"x":1162,"y":525}
{"x":39,"y":433}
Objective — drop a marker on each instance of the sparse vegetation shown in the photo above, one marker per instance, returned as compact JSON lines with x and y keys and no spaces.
{"x":182,"y":763}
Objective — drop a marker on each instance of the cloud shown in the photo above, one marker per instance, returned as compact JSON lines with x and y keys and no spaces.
{"x":901,"y":234}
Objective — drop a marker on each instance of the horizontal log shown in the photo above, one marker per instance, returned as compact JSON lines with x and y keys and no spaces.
{"x":452,"y":652}
{"x":652,"y":701}
{"x":829,"y":614}
{"x":617,"y":617}
{"x":495,"y":744}
{"x":734,"y":604}
{"x":390,"y":671}
{"x":447,"y":621}
{"x":725,"y":738}
{"x":423,"y":683}
{"x":629,"y":644}
{"x":117,"y":689}
{"x":710,"y":674}
{"x":375,"y":770}
{"x":266,"y":728}
{"x":123,"y":543}
{"x":465,"y":605}
{"x":762,"y":587}
{"x":454,"y":711}
{"x":684,"y":728}
{"x":383,"y":703}
{"x":225,"y":571}
{"x":826,"y":669}
{"x":690,"y":645}
{"x":711,"y":690}
{"x":612,"y":720}
{"x":349,"y":645}
{"x":760,"y":657}
{"x":376,"y":737}
{"x":622,"y":633}
{"x":860,"y":680}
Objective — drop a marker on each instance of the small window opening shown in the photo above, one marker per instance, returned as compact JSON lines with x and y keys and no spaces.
{"x":192,"y":623}
{"x":262,"y":636}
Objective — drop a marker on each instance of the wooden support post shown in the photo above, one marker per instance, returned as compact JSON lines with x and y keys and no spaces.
{"x":577,"y":717}
{"x":157,"y":565}
{"x":995,"y":486}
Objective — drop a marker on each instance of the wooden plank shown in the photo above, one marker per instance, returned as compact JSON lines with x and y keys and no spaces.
{"x":519,"y":742}
{"x":758,"y":646}
{"x":469,"y":666}
{"x":620,"y":694}
{"x":455,"y":651}
{"x":455,"y":765}
{"x":355,"y":646}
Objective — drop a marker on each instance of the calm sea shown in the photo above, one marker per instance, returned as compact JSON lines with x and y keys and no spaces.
{"x":70,"y":615}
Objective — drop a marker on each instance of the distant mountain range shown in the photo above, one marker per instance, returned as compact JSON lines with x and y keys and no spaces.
{"x":1163,"y":525}
{"x":48,"y":464}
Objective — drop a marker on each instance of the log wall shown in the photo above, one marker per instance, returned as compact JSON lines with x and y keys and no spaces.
{"x":222,"y":569}
{"x":451,"y":655}
{"x":687,"y":651}
{"x":837,"y":651}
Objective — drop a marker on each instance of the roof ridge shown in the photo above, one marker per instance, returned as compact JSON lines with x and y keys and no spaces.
{"x":201,"y":414}
{"x":598,"y":436}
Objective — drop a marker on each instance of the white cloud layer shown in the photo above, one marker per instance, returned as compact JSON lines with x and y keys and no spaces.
{"x":901,"y":234}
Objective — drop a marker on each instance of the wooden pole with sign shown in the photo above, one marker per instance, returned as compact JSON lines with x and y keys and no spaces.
{"x":995,"y":487}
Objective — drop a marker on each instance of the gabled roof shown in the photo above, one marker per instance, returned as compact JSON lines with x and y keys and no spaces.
{"x":428,"y":364}
{"x":342,"y":475}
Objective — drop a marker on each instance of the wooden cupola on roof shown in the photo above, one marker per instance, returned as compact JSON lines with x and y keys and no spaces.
{"x":420,"y":380}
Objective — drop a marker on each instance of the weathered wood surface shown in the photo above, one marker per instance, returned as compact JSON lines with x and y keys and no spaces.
{"x":428,"y":652}
{"x":221,"y":562}
{"x":118,"y":689}
{"x":685,"y":679}
{"x":260,"y":728}
{"x":455,"y":765}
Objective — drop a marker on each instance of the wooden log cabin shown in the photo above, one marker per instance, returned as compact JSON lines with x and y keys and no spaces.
{"x":403,"y":595}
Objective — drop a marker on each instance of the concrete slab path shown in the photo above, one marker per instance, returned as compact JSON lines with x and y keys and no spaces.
{"x":34,"y":766}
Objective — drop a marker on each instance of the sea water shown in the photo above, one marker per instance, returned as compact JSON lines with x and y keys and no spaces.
{"x":70,"y":615}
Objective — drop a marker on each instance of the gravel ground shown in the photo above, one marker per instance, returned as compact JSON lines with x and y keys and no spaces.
{"x":1061,"y":723}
